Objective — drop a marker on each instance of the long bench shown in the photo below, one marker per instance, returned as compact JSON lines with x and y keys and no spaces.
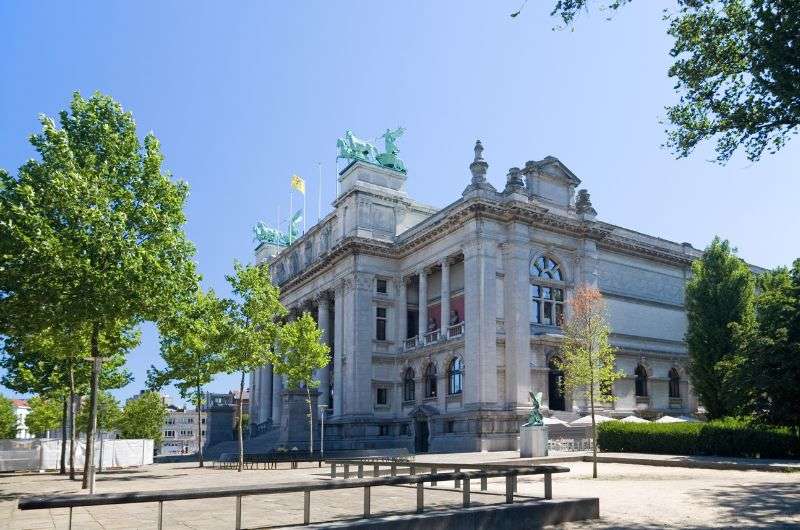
{"x":294,"y":458}
{"x":238,"y":492}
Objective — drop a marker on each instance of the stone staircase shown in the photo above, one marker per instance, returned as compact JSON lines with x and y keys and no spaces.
{"x":263,"y":443}
{"x":565,"y":415}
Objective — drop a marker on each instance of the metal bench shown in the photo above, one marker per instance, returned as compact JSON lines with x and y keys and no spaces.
{"x":238,"y":492}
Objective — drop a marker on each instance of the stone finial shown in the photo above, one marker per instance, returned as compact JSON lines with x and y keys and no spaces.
{"x":478,"y":169}
{"x":583,"y":203}
{"x":478,"y":166}
{"x":514,"y":182}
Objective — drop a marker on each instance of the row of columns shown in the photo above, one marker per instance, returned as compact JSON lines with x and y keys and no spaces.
{"x":422,"y":315}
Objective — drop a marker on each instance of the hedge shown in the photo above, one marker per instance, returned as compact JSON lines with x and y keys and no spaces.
{"x":717,"y":438}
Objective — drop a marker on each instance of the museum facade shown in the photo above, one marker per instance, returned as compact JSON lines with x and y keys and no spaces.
{"x":440,"y":321}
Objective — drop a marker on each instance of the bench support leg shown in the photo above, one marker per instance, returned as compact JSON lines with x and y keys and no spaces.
{"x":366,"y":502}
{"x":433,"y":472}
{"x":306,"y":506}
{"x":548,"y":486}
{"x":376,"y":471}
{"x":333,"y":470}
{"x":238,"y":512}
{"x":465,"y":493}
{"x":160,"y":515}
{"x":484,"y":484}
{"x":420,"y":497}
{"x":457,"y":481}
{"x":70,"y":519}
{"x":360,"y":470}
{"x":509,"y":489}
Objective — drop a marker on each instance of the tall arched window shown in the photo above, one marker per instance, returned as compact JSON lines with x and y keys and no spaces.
{"x":547,"y":292}
{"x":430,"y":381}
{"x":455,"y":376}
{"x":674,"y":383}
{"x":641,"y":381}
{"x":409,"y":390}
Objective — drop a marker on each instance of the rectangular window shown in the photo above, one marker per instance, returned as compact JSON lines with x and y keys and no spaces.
{"x":380,"y":323}
{"x":382,"y":397}
{"x":450,"y":427}
{"x":404,"y":430}
{"x":381,"y":286}
{"x":383,"y":430}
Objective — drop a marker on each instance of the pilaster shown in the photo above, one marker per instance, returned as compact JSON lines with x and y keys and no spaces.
{"x":517,"y":315}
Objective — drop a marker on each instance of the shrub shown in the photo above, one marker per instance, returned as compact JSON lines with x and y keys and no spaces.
{"x":728,"y":437}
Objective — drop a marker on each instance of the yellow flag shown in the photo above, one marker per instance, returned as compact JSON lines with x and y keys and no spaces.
{"x":299,"y":184}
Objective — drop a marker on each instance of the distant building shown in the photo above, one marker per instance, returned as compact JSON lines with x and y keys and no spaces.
{"x":21,"y":411}
{"x":165,"y":399}
{"x":179,"y":435}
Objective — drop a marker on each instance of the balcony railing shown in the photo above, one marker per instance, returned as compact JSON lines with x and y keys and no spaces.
{"x":455,"y":331}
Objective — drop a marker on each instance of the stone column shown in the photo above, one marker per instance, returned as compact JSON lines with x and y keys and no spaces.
{"x":323,"y":321}
{"x":277,"y":400}
{"x":402,"y":312}
{"x":445,"y":299}
{"x":267,"y":393}
{"x":517,"y":317}
{"x":480,"y":325}
{"x":422,"y":321}
{"x":338,"y":317}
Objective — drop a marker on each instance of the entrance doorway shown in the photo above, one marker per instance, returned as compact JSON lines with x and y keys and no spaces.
{"x":555,"y":385}
{"x":421,"y":436}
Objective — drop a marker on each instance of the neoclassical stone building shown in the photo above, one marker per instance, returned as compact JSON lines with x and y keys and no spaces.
{"x":441,"y":320}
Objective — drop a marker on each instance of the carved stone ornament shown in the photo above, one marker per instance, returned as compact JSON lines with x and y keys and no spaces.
{"x":583,"y":203}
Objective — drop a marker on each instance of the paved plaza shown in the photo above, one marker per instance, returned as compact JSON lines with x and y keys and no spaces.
{"x":631,"y":496}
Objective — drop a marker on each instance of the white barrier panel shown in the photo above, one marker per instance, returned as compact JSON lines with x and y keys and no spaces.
{"x":37,"y":454}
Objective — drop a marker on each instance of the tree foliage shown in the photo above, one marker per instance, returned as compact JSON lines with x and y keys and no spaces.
{"x":91,"y":234}
{"x":587,"y":358}
{"x":108,"y":413}
{"x":770,"y":370}
{"x":737,"y":70}
{"x":192,"y":342}
{"x":8,"y":420}
{"x":45,"y":414}
{"x":253,"y":321}
{"x":719,"y":307}
{"x":143,"y":417}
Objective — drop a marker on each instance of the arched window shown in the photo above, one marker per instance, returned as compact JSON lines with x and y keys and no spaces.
{"x":409,"y":390}
{"x":547,"y":292}
{"x":430,"y":381}
{"x":455,"y":376}
{"x":641,"y":381}
{"x":674,"y":383}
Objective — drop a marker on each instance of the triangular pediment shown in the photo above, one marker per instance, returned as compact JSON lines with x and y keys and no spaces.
{"x":553,"y":167}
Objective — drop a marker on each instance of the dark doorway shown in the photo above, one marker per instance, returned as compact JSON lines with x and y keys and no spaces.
{"x":555,"y":385}
{"x":421,"y":437}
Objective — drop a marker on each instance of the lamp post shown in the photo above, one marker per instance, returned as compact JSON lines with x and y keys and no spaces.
{"x":322,"y":409}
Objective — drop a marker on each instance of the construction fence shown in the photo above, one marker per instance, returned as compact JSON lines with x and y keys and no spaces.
{"x":45,"y":454}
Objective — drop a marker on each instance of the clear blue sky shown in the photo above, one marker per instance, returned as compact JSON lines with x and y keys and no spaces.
{"x":243,"y":94}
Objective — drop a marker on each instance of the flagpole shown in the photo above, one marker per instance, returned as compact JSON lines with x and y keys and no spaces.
{"x":319,"y":193}
{"x":304,"y":212}
{"x":290,"y":216}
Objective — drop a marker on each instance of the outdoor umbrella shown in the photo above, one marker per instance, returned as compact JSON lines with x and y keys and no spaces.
{"x":587,"y":420}
{"x":669,"y":419}
{"x":634,"y":419}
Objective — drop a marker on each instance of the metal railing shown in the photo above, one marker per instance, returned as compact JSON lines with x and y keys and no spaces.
{"x":239,"y":492}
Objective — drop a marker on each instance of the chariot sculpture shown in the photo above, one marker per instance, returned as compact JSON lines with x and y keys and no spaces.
{"x":352,"y":148}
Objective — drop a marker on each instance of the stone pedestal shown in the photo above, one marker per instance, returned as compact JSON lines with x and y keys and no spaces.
{"x":294,"y":419}
{"x":532,"y":441}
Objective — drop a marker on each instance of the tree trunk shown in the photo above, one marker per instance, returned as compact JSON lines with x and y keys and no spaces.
{"x":594,"y":426}
{"x":71,"y":421}
{"x":310,"y":421}
{"x":64,"y":415}
{"x":199,"y":428}
{"x":89,"y":460}
{"x":241,"y":439}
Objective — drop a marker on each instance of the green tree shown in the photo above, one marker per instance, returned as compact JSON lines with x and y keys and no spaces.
{"x":587,"y":358}
{"x":736,"y":70}
{"x":300,"y":353}
{"x":253,"y":323}
{"x":45,"y":415}
{"x":54,"y":361}
{"x":143,"y":417}
{"x":8,"y":420}
{"x":92,"y":233}
{"x":770,"y":371}
{"x":191,"y":347}
{"x":108,"y":414}
{"x":719,"y":308}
